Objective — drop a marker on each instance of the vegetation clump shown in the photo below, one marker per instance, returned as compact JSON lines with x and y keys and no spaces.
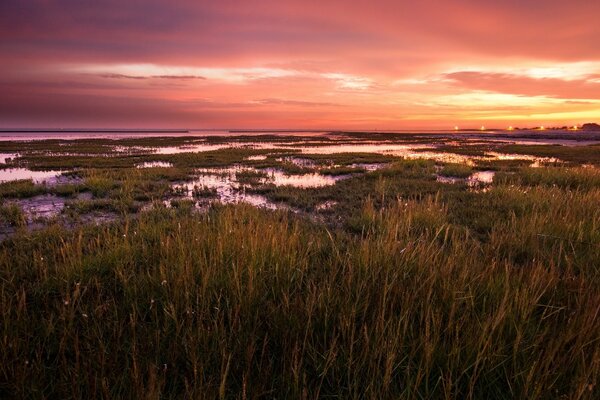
{"x":456,"y":170}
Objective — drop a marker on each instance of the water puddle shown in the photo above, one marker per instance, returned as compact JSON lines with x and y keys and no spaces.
{"x":384,"y":147}
{"x":312,"y":180}
{"x":155,"y":164}
{"x":378,"y":148}
{"x":14,"y":174}
{"x":536,"y":161}
{"x":240,"y":175}
{"x":227,"y":190}
{"x":485,"y":177}
{"x":369,"y":167}
{"x":195,"y":148}
{"x":4,"y":157}
{"x":229,"y":185}
{"x":256,"y":158}
{"x":475,"y":179}
{"x":299,"y":162}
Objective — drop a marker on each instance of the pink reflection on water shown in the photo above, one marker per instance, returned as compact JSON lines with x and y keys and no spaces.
{"x":475,"y":179}
{"x":6,"y":156}
{"x":155,"y":164}
{"x":229,"y":190}
{"x":312,"y":180}
{"x":14,"y":174}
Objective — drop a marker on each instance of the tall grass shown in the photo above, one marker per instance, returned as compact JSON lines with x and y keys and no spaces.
{"x":568,"y":178}
{"x":11,"y":214}
{"x":246,"y":303}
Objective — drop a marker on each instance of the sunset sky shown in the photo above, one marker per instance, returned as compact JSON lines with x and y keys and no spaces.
{"x":298,"y":64}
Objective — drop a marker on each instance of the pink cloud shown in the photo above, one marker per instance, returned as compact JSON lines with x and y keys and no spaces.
{"x":522,"y":85}
{"x":329,"y":63}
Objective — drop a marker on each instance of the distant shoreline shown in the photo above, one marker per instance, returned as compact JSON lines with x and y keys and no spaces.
{"x":70,"y":130}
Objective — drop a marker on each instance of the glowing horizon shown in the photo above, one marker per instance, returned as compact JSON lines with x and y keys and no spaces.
{"x":299,"y":65}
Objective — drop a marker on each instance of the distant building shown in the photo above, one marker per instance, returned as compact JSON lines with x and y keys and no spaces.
{"x":590,"y":127}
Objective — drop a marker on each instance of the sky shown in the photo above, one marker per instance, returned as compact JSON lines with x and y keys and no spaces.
{"x":276,"y":64}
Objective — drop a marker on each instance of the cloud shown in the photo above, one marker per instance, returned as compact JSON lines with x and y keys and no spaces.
{"x":299,"y":103}
{"x":392,"y":61}
{"x":123,"y":76}
{"x":581,"y":88}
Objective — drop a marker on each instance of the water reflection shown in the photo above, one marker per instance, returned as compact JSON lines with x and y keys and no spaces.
{"x":267,"y":175}
{"x":482,"y":177}
{"x":155,"y":164}
{"x":475,"y":179}
{"x":256,"y":158}
{"x":230,"y":185}
{"x":4,"y":157}
{"x":14,"y":174}
{"x":313,"y":180}
{"x":227,"y":189}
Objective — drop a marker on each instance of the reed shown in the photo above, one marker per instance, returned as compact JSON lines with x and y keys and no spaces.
{"x":246,"y":303}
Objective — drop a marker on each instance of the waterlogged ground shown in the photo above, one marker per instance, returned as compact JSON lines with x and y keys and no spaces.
{"x":301,"y":265}
{"x":49,"y":180}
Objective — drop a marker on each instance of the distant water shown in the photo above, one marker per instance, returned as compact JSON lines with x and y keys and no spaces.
{"x":72,"y":134}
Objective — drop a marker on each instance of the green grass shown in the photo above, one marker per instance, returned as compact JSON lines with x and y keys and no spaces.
{"x":406,"y":288}
{"x":501,"y":165}
{"x":568,"y":178}
{"x":21,"y":189}
{"x":119,"y":206}
{"x":456,"y":170}
{"x":240,"y":300}
{"x":12,"y":215}
{"x":26,"y":188}
{"x":250,"y":177}
{"x":204,"y":192}
{"x":337,"y":171}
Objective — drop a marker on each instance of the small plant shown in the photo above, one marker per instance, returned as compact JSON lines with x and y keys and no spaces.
{"x":250,"y":177}
{"x":456,"y":170}
{"x":11,"y":214}
{"x":199,"y":192}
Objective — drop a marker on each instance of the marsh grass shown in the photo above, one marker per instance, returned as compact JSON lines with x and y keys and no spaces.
{"x":119,"y":206}
{"x":403,"y":178}
{"x":501,"y":165}
{"x":26,"y":188}
{"x":406,"y":288}
{"x":337,"y":171}
{"x":21,"y":189}
{"x":456,"y":170}
{"x":242,"y":302}
{"x":12,"y":215}
{"x":250,"y":177}
{"x":201,"y":191}
{"x":564,"y":177}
